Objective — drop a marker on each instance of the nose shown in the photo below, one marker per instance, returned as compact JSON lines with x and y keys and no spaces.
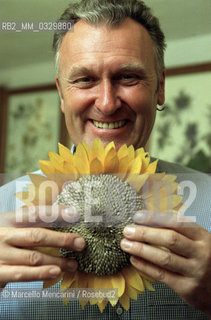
{"x":107,"y":100}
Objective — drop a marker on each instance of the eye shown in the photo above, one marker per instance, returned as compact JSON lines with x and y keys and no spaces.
{"x":85,"y":79}
{"x":84,"y":82}
{"x":128,"y":79}
{"x":127,"y":76}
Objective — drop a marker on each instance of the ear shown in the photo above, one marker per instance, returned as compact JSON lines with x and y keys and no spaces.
{"x":161,"y":89}
{"x":58,"y":85}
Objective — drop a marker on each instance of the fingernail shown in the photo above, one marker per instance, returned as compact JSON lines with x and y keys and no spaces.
{"x":71,"y":210}
{"x":129,"y":231}
{"x":72,"y":265}
{"x":70,"y":214}
{"x":126,"y":245}
{"x":139,"y":217}
{"x":79,"y":244}
{"x":54,"y":272}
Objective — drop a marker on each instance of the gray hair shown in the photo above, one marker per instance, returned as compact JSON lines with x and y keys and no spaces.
{"x":113,"y":13}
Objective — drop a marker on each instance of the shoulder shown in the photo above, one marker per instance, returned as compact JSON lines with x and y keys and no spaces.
{"x":171,"y":167}
{"x":183,"y":172}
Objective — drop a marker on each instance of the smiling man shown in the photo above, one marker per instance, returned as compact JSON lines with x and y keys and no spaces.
{"x":110,"y":78}
{"x":108,"y":83}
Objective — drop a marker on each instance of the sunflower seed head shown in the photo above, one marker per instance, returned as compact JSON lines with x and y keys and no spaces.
{"x":106,"y":204}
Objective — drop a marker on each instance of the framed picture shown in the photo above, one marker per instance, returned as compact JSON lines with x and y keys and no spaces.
{"x":34,"y":125}
{"x":182,"y":132}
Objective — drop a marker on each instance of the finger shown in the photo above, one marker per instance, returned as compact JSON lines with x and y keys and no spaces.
{"x":36,"y":258}
{"x":171,"y":220}
{"x":40,"y":216}
{"x":157,"y":256}
{"x":23,"y":273}
{"x":40,"y":237}
{"x":177,"y":282}
{"x":170,"y":239}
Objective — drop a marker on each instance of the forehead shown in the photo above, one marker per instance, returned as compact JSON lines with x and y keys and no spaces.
{"x":128,"y":42}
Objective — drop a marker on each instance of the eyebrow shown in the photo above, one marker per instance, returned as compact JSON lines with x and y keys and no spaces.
{"x":138,"y":67}
{"x":78,"y":70}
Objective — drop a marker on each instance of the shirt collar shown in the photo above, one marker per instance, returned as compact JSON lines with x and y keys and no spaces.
{"x":73,"y":148}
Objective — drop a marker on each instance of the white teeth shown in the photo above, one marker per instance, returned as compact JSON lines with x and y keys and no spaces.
{"x":111,"y":125}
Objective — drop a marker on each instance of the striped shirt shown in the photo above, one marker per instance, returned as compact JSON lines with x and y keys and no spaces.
{"x":163,"y":303}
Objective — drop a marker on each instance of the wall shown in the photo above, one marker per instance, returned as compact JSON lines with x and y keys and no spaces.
{"x":179,"y":52}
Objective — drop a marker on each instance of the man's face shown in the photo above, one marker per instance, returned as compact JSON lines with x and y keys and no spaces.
{"x":108,"y":84}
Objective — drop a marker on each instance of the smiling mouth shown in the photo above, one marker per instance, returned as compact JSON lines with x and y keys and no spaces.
{"x":109,"y":125}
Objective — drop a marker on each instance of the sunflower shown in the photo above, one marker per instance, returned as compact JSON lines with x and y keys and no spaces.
{"x":107,"y":186}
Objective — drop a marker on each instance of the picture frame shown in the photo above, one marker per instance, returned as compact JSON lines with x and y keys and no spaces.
{"x":182,"y":131}
{"x":31,"y":124}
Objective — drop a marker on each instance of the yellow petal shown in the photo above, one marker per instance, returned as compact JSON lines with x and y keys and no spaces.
{"x":133,"y":278}
{"x":125,"y":301}
{"x":123,"y":151}
{"x":96,"y":166}
{"x":132,"y":292}
{"x":113,"y":302}
{"x":51,"y":282}
{"x":169,"y":178}
{"x":102,"y":305}
{"x":37,"y":179}
{"x":82,"y":280}
{"x":162,"y":204}
{"x":91,"y":280}
{"x":144,"y":276}
{"x":111,"y":161}
{"x":97,"y":150}
{"x":65,"y":301}
{"x":56,"y":160}
{"x":177,"y":200}
{"x":137,"y":181}
{"x":145,"y":164}
{"x":27,"y":197}
{"x":68,"y":279}
{"x":156,"y":177}
{"x":173,"y":187}
{"x":148,"y":285}
{"x":109,"y":146}
{"x":112,"y":166}
{"x":81,"y":160}
{"x":47,"y":167}
{"x":45,"y":192}
{"x":70,"y":169}
{"x":118,"y":281}
{"x":60,"y":179}
{"x":65,"y":153}
{"x":109,"y":155}
{"x":135,"y":166}
{"x":152,"y":167}
{"x":102,"y":282}
{"x":123,"y":165}
{"x":139,"y":152}
{"x":87,"y":149}
{"x":131,"y":152}
{"x":83,"y":303}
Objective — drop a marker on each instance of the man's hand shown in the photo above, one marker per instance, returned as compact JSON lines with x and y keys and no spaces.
{"x":18,"y":262}
{"x":186,"y":268}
